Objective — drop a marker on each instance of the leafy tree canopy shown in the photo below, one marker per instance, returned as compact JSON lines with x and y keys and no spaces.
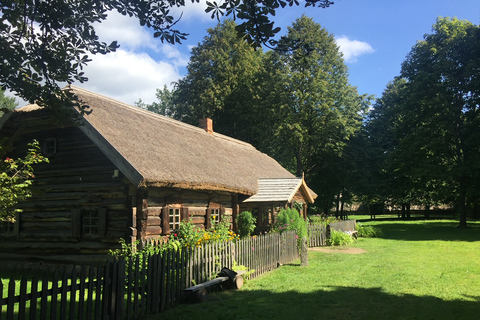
{"x":424,"y":130}
{"x":44,"y":43}
{"x":6,"y":103}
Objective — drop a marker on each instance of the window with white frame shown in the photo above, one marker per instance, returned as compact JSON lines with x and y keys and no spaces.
{"x":174,"y":218}
{"x":215,"y":215}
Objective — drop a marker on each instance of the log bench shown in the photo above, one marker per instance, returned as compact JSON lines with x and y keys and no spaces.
{"x":199,"y":293}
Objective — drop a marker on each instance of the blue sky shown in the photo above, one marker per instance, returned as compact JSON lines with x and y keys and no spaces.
{"x":374,"y":35}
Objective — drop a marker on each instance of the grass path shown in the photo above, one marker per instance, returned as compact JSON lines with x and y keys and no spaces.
{"x":416,"y":270}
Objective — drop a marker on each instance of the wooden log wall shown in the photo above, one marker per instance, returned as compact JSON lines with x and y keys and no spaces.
{"x":79,"y":176}
{"x":196,"y":202}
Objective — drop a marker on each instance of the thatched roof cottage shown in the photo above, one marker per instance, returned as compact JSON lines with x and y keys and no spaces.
{"x":129,"y":173}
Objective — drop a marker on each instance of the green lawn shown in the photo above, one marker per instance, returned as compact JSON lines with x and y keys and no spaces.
{"x":416,"y":270}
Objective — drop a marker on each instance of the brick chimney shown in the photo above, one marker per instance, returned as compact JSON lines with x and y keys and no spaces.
{"x":206,"y":124}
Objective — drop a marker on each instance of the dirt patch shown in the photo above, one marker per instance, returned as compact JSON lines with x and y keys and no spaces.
{"x":347,"y":250}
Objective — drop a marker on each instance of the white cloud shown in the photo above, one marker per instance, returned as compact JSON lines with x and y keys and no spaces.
{"x":128,"y":76}
{"x":352,"y":49}
{"x":140,"y":66}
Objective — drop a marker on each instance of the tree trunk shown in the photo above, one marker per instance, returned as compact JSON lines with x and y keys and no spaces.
{"x":461,"y":204}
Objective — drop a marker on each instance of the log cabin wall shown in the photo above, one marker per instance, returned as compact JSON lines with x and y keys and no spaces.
{"x":80,"y":208}
{"x":191,"y":205}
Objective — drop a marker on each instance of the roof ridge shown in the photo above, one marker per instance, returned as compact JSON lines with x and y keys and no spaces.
{"x":161,"y":117}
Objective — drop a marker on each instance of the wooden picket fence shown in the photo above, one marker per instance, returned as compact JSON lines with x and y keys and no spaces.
{"x":132,"y":288}
{"x":129,"y":289}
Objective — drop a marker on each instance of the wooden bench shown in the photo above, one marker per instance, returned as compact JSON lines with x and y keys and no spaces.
{"x":199,"y":293}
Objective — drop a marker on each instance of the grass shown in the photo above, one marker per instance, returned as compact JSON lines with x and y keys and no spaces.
{"x":417,"y":270}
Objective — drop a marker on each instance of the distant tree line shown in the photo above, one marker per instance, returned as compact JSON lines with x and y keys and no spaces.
{"x":421,"y":142}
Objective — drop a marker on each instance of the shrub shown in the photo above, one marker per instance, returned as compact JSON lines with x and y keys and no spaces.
{"x":246,"y":224}
{"x":290,"y":219}
{"x":367,"y":231}
{"x":338,"y":238}
{"x":322,"y":218}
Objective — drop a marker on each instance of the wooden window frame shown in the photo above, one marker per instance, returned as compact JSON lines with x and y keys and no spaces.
{"x":166,"y":226}
{"x":80,"y":218}
{"x":50,"y":147}
{"x":217,"y":210}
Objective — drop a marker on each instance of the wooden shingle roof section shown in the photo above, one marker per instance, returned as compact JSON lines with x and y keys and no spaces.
{"x":281,"y":190}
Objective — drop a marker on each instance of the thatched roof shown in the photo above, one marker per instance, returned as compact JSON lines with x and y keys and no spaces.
{"x":281,"y":190}
{"x":153,"y":150}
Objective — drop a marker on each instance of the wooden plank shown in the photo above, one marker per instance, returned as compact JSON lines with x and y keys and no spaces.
{"x":90,"y":287}
{"x":162,"y":279}
{"x":114,"y":284}
{"x":136,"y":262}
{"x":22,"y":302}
{"x":130,"y":284}
{"x":120,"y":292}
{"x":54,"y":296}
{"x":33,"y":297}
{"x":143,"y":284}
{"x":44,"y":295}
{"x":107,"y":290}
{"x":73,"y":294}
{"x":169,"y":277}
{"x":11,"y":301}
{"x":63,"y":294}
{"x":98,"y":291}
{"x":81,"y":295}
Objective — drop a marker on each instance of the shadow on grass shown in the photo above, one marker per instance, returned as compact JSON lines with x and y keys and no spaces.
{"x":429,"y":230}
{"x":325,"y":303}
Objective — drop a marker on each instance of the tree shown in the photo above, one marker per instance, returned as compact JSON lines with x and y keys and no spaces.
{"x":44,"y":43}
{"x":425,"y":127}
{"x":16,"y":177}
{"x":319,"y":109}
{"x":6,"y":103}
{"x":443,"y":98}
{"x":221,"y":83}
{"x":165,"y":105}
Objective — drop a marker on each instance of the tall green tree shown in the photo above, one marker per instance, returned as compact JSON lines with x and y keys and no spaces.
{"x":442,"y":106}
{"x":221,"y":83}
{"x":44,"y":43}
{"x":319,"y":110}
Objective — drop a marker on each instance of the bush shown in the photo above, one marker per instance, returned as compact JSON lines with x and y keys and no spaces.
{"x":367,"y":231}
{"x":246,"y":224}
{"x":290,"y":219}
{"x":338,"y":238}
{"x":322,"y":218}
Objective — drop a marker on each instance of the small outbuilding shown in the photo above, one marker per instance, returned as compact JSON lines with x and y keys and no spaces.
{"x":125,"y":172}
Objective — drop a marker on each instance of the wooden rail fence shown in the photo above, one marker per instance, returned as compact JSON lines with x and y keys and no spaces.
{"x":131,"y":288}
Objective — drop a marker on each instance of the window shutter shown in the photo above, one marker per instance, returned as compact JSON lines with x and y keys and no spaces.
{"x":165,"y":221}
{"x":184,"y":214}
{"x":76,"y":223}
{"x":221,"y":214}
{"x":208,"y":222}
{"x":102,"y":222}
